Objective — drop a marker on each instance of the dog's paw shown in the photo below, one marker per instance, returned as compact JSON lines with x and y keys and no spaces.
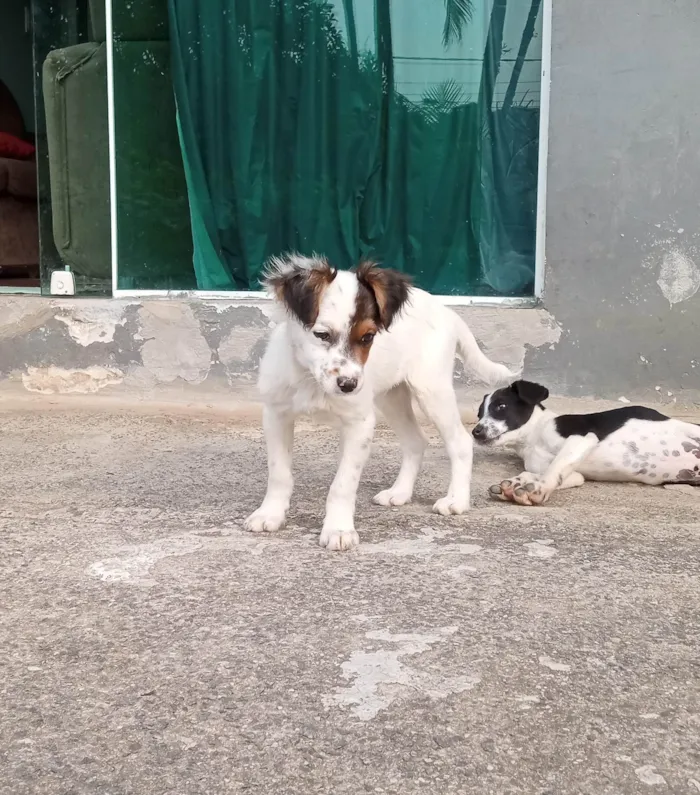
{"x":392,"y":496}
{"x":525,"y":489}
{"x":264,"y":520}
{"x":339,"y":541}
{"x":451,"y":506}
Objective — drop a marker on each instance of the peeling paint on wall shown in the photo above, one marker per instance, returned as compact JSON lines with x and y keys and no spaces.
{"x":238,"y":346}
{"x":174,"y":346}
{"x":56,"y":380}
{"x":92,"y":322}
{"x":221,"y":307}
{"x":20,"y":316}
{"x":507,"y":334}
{"x":679,"y":277}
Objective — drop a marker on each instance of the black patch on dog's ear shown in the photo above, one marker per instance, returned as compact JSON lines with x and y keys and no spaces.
{"x":299,"y":286}
{"x":294,"y":291}
{"x":530,"y":393}
{"x":390,"y":289}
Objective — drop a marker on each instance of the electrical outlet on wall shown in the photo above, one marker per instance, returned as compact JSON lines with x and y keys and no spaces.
{"x":62,"y":283}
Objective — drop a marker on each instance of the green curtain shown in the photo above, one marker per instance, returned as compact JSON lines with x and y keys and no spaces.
{"x":301,"y":130}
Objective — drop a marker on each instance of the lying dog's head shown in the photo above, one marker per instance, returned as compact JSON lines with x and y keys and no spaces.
{"x":335,"y":315}
{"x":503,"y":413}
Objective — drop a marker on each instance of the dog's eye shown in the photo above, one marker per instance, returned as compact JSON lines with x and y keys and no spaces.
{"x":367,"y":339}
{"x":324,"y":336}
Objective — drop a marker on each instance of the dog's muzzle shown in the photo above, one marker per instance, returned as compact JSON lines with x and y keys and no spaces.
{"x":480,"y":433}
{"x":347,"y":385}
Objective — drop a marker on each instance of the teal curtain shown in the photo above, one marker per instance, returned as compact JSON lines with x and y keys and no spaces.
{"x":358,"y":128}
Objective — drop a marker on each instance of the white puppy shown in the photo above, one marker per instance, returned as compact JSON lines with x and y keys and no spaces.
{"x":634,"y":444}
{"x":348,"y":340}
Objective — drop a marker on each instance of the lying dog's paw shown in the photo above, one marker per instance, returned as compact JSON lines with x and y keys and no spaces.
{"x":337,"y":541}
{"x":264,"y":520}
{"x":392,"y":497}
{"x":525,"y":489}
{"x":451,"y":506}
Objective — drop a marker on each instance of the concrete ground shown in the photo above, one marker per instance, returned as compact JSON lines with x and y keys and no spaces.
{"x":148,"y":645}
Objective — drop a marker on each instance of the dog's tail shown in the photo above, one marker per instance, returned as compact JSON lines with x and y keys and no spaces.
{"x":476,"y":360}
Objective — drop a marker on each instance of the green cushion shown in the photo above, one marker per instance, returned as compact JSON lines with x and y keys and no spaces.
{"x":75,"y":97}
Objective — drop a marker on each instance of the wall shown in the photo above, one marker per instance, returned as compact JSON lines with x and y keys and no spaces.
{"x":623,"y":221}
{"x":187,"y":348}
{"x":621,"y":310}
{"x":16,"y":63}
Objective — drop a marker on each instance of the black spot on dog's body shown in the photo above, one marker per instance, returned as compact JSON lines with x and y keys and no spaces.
{"x":688,"y":477}
{"x":692,"y":446}
{"x":605,"y":423}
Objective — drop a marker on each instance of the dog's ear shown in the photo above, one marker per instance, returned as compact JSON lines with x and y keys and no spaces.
{"x":530,"y":393}
{"x":298,"y":283}
{"x":390,"y":289}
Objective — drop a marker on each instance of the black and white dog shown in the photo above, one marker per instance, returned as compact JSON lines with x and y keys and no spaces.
{"x":630,"y":444}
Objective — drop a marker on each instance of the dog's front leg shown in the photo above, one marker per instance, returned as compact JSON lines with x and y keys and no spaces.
{"x":279,"y":437}
{"x":529,"y":489}
{"x":573,"y":452}
{"x":338,"y":531}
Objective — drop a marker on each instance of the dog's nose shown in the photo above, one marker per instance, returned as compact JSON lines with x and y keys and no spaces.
{"x":347,"y":384}
{"x":479,"y":433}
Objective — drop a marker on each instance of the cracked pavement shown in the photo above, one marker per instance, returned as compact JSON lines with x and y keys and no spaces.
{"x":149,"y":645}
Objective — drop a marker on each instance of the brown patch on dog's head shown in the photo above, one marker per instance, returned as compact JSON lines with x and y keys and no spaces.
{"x":389,"y":289}
{"x":362,"y":334}
{"x":380,"y":296}
{"x":298,"y":283}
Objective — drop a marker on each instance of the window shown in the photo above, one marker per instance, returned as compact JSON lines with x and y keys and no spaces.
{"x":154,"y":238}
{"x":404,"y":131}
